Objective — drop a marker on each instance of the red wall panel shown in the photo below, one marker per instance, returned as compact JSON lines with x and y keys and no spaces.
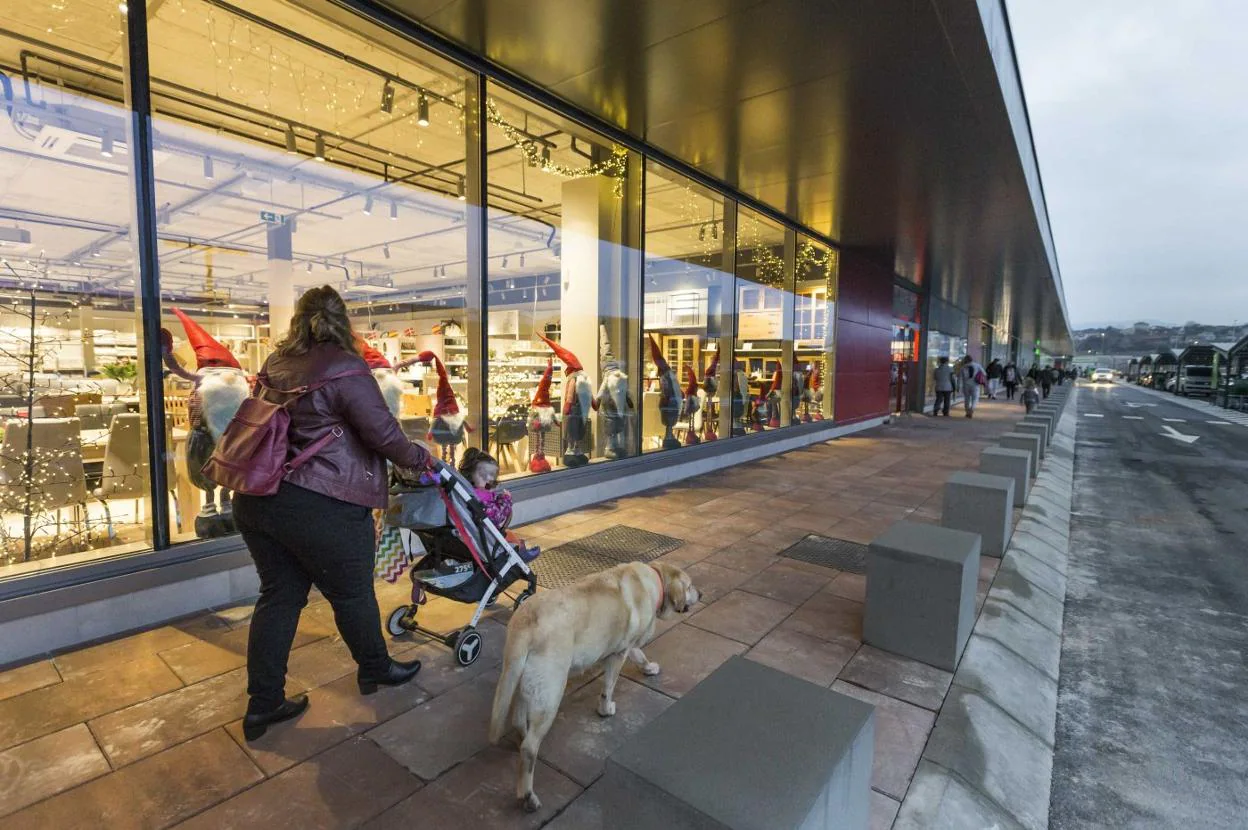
{"x":863,"y":337}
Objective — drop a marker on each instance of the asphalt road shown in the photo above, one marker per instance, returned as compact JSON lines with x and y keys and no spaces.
{"x":1152,"y":725}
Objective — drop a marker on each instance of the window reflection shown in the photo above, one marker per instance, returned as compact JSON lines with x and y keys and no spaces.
{"x":814,"y":330}
{"x":761,"y":390}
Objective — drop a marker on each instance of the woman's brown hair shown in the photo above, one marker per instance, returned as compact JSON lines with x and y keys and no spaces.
{"x":320,"y":317}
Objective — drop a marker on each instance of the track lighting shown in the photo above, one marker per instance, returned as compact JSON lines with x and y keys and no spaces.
{"x":702,"y":232}
{"x":462,"y":190}
{"x":309,"y":266}
{"x":545,"y":156}
{"x":368,"y":205}
{"x":96,"y":252}
{"x":106,"y":145}
{"x":714,"y":231}
{"x":385,"y":250}
{"x":444,"y":270}
{"x":292,"y":143}
{"x":319,"y":155}
{"x":394,"y":210}
{"x":387,"y":98}
{"x":504,"y":262}
{"x":522,"y":260}
{"x":422,"y":110}
{"x":208,"y":171}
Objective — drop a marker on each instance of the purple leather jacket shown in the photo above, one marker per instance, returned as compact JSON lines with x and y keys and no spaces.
{"x":352,"y":467}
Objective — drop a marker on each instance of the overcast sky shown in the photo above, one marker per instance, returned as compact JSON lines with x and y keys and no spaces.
{"x":1140,"y":114}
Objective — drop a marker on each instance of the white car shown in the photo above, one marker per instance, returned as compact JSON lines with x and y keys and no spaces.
{"x":1102,"y":375}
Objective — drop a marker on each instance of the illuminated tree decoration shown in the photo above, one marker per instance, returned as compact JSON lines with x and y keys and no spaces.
{"x":613,"y":167}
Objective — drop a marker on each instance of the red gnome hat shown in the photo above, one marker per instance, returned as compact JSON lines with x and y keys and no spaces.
{"x":691,"y":391}
{"x":777,"y":380}
{"x":541,"y":398}
{"x":446,"y":403}
{"x":570,"y":364}
{"x":712,"y":371}
{"x":208,"y":352}
{"x":656,"y":355}
{"x":374,"y":358}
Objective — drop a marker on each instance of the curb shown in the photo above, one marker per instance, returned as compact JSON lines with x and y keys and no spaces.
{"x":989,"y":759}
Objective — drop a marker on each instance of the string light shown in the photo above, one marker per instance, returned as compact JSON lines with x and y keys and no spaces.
{"x":614,"y":166}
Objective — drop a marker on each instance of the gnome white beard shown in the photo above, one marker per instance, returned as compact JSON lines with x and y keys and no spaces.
{"x":544,"y":416}
{"x":614,"y":390}
{"x":391,"y":389}
{"x":699,"y":410}
{"x":222,"y":391}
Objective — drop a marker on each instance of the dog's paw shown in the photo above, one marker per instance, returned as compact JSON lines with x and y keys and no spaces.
{"x":606,"y":708}
{"x":531,"y":803}
{"x":650,"y":669}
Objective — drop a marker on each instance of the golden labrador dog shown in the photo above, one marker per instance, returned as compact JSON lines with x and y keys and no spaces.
{"x":604,"y":617}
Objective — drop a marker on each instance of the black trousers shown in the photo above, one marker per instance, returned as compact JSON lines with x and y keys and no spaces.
{"x":1009,"y":391}
{"x":298,"y":539}
{"x":943,"y":399}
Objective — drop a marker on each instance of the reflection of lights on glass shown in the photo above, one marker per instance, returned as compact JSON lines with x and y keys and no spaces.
{"x":106,"y":145}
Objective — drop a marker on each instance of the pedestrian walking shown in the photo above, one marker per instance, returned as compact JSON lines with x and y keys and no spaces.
{"x":317,"y":529}
{"x":943,"y":383}
{"x":1031,"y":398}
{"x":971,"y":376}
{"x":1009,"y":377}
{"x":994,"y":378}
{"x":1046,"y":380}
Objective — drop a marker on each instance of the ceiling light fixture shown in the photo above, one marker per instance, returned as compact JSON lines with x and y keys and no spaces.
{"x":320,"y":147}
{"x":443,"y":270}
{"x":504,"y":262}
{"x":462,"y":190}
{"x":422,"y":110}
{"x":385,"y":250}
{"x":387,"y":98}
{"x":96,"y":252}
{"x":292,"y":143}
{"x":208,"y":171}
{"x":545,"y":155}
{"x":106,"y":145}
{"x":714,"y":230}
{"x":702,"y":233}
{"x":368,"y":205}
{"x":522,"y":260}
{"x":309,"y":266}
{"x":394,"y":209}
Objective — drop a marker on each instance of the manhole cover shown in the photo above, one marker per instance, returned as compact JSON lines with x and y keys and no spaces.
{"x":570,"y":561}
{"x":830,"y":553}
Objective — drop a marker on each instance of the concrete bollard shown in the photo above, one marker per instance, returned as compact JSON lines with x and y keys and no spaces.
{"x":1024,"y":441}
{"x":921,"y":592}
{"x":983,"y":504}
{"x":749,"y":746}
{"x":1039,"y":430}
{"x":1048,"y":419}
{"x":1015,"y":464}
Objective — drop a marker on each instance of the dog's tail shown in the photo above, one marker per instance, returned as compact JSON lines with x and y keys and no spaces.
{"x":515,"y":657}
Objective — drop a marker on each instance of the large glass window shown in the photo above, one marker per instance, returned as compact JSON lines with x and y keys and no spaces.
{"x":297,"y":146}
{"x":687,"y":309}
{"x":74,"y":480}
{"x":814,"y":330}
{"x":562,"y":275}
{"x":763,"y":344}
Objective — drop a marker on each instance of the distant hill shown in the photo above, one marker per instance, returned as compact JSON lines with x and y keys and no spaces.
{"x":1150,"y":338}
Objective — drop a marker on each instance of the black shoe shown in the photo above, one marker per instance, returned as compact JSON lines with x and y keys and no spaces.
{"x":396,"y":674}
{"x":254,"y":726}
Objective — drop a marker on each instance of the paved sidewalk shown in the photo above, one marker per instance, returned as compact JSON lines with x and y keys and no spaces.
{"x":144,"y":731}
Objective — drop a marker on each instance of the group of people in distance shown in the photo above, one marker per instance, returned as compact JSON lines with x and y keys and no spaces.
{"x":974,"y":379}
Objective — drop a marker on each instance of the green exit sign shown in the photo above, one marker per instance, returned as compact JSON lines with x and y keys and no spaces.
{"x":271,"y":218}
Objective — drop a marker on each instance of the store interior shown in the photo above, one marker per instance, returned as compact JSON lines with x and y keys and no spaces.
{"x":296,"y":145}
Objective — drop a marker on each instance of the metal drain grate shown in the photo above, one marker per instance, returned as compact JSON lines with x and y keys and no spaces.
{"x":570,"y":561}
{"x":830,"y":553}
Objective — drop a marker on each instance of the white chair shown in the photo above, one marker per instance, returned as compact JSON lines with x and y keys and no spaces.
{"x":126,"y":470}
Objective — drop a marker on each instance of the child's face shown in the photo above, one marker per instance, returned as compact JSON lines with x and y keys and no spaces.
{"x":485,"y":476}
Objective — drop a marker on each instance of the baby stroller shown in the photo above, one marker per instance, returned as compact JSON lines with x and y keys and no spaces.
{"x":459,"y":554}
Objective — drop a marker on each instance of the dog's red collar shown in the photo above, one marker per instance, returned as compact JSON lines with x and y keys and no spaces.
{"x":659,"y":605}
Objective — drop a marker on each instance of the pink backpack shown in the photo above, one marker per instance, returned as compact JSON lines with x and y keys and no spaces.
{"x":251,"y":456}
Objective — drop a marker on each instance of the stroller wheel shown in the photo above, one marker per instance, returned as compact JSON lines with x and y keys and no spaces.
{"x":520,"y":600}
{"x":398,"y":623}
{"x":467,"y":647}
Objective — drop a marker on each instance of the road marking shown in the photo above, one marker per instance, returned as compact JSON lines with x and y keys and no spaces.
{"x":1137,"y":405}
{"x":1093,"y":415}
{"x":1174,"y":420}
{"x":1133,"y":417}
{"x":1171,"y":432}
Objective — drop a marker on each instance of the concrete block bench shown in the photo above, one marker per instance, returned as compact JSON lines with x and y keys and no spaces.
{"x":1023,"y":441}
{"x":1038,"y":430}
{"x":921,"y":592}
{"x":1015,"y":464}
{"x":982,"y":504}
{"x":750,"y":748}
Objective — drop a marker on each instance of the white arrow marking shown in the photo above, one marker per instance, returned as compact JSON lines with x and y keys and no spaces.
{"x":1137,"y":405}
{"x":1171,"y":432}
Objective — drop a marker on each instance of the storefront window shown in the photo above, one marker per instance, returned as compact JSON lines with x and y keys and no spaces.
{"x":763,"y":342}
{"x":903,"y":372}
{"x":298,"y":146}
{"x":74,"y":482}
{"x":687,"y":309}
{"x":814,"y":330}
{"x":563,"y":274}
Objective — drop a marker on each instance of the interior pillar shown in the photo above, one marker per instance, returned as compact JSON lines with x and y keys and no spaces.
{"x":280,"y":278}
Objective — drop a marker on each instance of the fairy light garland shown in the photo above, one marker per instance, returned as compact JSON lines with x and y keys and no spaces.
{"x":614,"y":167}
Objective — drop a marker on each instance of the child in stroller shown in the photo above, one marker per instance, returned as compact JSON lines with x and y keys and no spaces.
{"x":481,"y":470}
{"x":458,"y":552}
